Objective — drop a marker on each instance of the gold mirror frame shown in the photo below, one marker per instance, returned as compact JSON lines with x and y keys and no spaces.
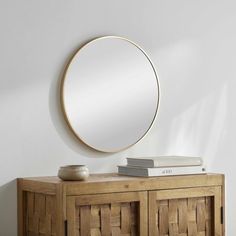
{"x":62,"y":93}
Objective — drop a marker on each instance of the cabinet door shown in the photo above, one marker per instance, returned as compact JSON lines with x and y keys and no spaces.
{"x":107,"y":214}
{"x":185,"y":212}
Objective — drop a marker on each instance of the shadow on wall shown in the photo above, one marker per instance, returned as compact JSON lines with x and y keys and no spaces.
{"x":8,"y":206}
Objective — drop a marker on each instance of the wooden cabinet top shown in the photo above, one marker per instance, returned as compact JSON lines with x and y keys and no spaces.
{"x":112,"y":182}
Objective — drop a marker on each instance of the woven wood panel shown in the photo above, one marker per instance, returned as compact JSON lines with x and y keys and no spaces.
{"x":184,"y":217}
{"x":40,"y":214}
{"x":107,"y":219}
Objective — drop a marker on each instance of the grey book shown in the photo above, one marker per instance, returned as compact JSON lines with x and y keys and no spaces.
{"x":165,"y":161}
{"x":160,"y":171}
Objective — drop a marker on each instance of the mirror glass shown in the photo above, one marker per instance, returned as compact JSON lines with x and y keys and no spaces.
{"x":110,"y":93}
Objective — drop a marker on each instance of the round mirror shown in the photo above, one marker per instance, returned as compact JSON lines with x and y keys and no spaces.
{"x":110,"y":93}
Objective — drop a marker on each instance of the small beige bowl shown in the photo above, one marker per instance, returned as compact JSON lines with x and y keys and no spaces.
{"x":73,"y":172}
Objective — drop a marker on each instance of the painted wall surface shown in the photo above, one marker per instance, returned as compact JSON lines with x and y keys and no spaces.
{"x":192,"y":44}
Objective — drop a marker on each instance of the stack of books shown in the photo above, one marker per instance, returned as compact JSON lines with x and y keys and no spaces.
{"x":162,"y":166}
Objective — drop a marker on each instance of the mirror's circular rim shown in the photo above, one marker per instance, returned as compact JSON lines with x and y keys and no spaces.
{"x":62,"y":94}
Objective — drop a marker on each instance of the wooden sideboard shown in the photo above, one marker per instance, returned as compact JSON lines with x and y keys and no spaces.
{"x":109,"y":204}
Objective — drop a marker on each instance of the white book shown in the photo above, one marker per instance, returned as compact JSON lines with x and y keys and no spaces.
{"x":165,"y":161}
{"x":160,"y":171}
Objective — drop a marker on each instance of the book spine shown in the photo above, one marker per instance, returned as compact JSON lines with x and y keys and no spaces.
{"x":152,"y":172}
{"x":154,"y":164}
{"x":176,"y":171}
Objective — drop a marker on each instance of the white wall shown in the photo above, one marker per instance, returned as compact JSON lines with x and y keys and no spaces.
{"x":192,"y":44}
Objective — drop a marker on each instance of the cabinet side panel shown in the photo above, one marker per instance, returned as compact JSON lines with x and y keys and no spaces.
{"x":39,"y":214}
{"x":20,"y":209}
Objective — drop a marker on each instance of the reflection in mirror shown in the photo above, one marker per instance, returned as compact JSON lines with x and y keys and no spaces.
{"x":110,"y":94}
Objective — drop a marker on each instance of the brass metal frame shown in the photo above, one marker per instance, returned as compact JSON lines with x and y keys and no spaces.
{"x":62,"y":93}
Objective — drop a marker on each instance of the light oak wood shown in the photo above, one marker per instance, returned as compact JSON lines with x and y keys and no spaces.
{"x":21,"y":211}
{"x":108,"y":214}
{"x":185,"y":211}
{"x":60,"y":214}
{"x":110,"y":204}
{"x":111,"y":183}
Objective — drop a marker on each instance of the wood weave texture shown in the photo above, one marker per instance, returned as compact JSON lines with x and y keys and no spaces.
{"x":40,"y":214}
{"x":107,"y":219}
{"x":184,"y":217}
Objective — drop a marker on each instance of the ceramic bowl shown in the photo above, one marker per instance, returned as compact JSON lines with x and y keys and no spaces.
{"x":73,"y":172}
